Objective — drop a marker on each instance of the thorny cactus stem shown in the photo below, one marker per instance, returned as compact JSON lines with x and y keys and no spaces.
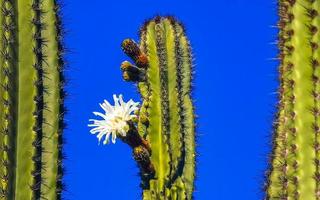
{"x":163,"y":139}
{"x":295,"y":161}
{"x":163,"y":72}
{"x":31,"y":95}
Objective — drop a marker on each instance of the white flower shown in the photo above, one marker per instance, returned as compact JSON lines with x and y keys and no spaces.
{"x":114,"y":119}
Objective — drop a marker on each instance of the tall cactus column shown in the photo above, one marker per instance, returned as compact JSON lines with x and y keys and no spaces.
{"x":295,"y":167}
{"x":163,"y":73}
{"x":31,"y":108}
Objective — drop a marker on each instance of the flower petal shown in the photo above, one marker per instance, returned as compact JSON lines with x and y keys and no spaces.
{"x":100,"y":114}
{"x":116,"y":101}
{"x":114,"y":119}
{"x":114,"y":137}
{"x":107,"y":107}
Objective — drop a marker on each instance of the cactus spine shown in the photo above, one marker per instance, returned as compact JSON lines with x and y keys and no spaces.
{"x":31,"y":108}
{"x":295,"y":161}
{"x":163,"y":73}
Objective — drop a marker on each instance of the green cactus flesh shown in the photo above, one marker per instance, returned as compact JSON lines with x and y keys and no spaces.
{"x":163,"y":73}
{"x":295,"y":161}
{"x":31,"y":108}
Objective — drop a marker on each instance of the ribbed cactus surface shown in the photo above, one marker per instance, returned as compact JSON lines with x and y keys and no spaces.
{"x":31,"y":96}
{"x":295,"y":164}
{"x":163,"y":73}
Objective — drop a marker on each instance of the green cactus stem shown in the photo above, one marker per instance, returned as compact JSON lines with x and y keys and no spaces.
{"x":31,"y":95}
{"x":163,"y":73}
{"x":295,"y":161}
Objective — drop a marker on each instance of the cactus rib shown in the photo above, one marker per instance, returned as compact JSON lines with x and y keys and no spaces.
{"x":187,"y":112}
{"x":52,"y":112}
{"x":159,"y":158}
{"x":60,"y":51}
{"x":8,"y":95}
{"x":27,"y":97}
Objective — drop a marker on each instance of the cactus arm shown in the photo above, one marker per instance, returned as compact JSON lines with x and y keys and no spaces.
{"x":51,"y":113}
{"x":26,"y":136}
{"x":163,"y":73}
{"x":159,"y":158}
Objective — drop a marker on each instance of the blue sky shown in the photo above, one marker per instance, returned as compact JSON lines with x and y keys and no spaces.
{"x":235,"y":84}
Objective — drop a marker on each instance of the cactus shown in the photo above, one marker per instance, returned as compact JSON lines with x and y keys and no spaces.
{"x":31,"y":108}
{"x":295,"y":161}
{"x":163,"y":73}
